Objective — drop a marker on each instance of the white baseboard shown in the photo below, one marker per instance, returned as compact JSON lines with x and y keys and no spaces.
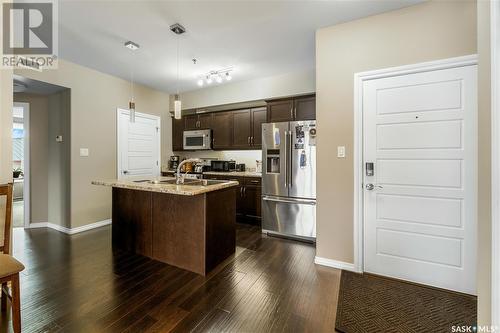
{"x":38,"y":225}
{"x":335,"y":264}
{"x":70,"y":231}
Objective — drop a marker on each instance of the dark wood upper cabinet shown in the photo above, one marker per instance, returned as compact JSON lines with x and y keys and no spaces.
{"x":190,"y":122}
{"x":297,"y":108}
{"x":205,"y":121}
{"x":305,"y":108}
{"x":242,"y":129}
{"x":197,"y":121}
{"x":281,"y":110}
{"x":258,"y":118}
{"x":222,"y":128}
{"x":177,"y":134}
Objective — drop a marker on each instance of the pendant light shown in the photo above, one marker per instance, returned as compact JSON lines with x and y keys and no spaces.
{"x":177,"y":100}
{"x":177,"y":29}
{"x":131,"y":104}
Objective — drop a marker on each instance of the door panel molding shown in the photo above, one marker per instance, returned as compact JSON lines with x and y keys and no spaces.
{"x":118,"y":136}
{"x":359,"y":80}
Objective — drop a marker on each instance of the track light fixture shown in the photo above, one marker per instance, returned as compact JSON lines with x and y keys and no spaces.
{"x":217,"y":76}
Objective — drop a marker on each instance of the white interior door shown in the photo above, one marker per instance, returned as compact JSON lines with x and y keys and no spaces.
{"x":138,"y":145}
{"x":420,"y":133}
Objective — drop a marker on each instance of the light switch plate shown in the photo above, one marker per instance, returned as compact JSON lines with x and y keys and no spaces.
{"x":341,"y":151}
{"x":84,"y":152}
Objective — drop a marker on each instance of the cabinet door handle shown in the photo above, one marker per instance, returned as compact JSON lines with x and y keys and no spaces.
{"x":295,"y":113}
{"x":251,"y":139}
{"x":244,"y":191}
{"x":248,"y":140}
{"x":291,"y":112}
{"x":241,"y":191}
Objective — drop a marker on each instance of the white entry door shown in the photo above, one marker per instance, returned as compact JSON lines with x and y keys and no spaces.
{"x":420,"y":133}
{"x":138,"y":145}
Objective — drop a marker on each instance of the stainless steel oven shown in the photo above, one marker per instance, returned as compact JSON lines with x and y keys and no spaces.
{"x":197,"y":140}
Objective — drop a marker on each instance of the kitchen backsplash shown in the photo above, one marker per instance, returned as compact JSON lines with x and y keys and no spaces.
{"x":248,"y":157}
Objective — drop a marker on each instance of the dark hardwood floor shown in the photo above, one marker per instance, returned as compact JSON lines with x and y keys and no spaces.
{"x":77,"y":284}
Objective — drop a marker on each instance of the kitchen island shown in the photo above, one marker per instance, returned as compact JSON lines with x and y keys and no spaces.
{"x":191,"y":226}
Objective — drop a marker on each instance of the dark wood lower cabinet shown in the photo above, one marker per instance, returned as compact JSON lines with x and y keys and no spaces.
{"x":252,"y":201}
{"x":248,"y":198}
{"x":135,"y":230}
{"x":195,"y":233}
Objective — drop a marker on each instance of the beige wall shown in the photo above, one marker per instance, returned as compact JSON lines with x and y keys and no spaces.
{"x":484,"y":199}
{"x":6,"y":100}
{"x":39,"y":153}
{"x":5,"y":136}
{"x":59,"y":181}
{"x":94,"y":99}
{"x":268,"y":87}
{"x":424,"y":32}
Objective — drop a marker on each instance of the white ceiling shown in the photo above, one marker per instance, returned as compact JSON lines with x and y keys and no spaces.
{"x":258,"y":38}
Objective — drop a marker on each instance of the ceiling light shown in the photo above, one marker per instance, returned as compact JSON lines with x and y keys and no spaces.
{"x":217,"y":76}
{"x":131,"y":45}
{"x":178,"y":30}
{"x":131,"y":104}
{"x":177,"y":107}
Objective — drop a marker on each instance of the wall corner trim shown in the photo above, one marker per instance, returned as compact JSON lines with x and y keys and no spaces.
{"x":70,"y":231}
{"x":335,"y":264}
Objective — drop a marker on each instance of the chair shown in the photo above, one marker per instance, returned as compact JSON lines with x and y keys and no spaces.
{"x":9,"y":267}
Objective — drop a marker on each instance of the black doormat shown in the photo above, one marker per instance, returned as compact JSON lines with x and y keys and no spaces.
{"x":370,"y":303}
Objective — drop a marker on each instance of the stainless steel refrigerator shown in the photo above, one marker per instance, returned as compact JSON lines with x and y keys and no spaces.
{"x":289,"y":179}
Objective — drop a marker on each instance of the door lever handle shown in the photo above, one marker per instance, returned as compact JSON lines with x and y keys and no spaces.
{"x":371,"y":187}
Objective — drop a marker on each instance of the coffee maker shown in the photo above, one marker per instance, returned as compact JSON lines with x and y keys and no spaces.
{"x":173,"y":163}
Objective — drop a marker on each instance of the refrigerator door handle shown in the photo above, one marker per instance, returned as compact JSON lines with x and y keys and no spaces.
{"x":286,"y":158}
{"x":295,"y":201}
{"x":290,"y":162}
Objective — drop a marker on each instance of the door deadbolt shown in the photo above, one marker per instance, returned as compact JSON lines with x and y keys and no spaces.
{"x":369,"y":169}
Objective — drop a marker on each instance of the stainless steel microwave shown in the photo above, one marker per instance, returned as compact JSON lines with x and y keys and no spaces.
{"x":197,"y":140}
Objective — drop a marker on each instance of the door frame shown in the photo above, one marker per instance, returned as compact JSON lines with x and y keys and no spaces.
{"x":118,"y":132}
{"x":26,"y":171}
{"x":495,"y":162}
{"x":359,"y":79}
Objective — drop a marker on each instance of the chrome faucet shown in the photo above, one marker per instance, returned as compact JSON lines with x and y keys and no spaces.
{"x":178,"y":178}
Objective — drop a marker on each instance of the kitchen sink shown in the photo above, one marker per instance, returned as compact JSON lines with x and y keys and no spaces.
{"x":203,"y":182}
{"x":192,"y":182}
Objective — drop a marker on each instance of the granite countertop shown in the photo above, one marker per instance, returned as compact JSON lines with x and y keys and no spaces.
{"x":229,"y":173}
{"x":135,"y":184}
